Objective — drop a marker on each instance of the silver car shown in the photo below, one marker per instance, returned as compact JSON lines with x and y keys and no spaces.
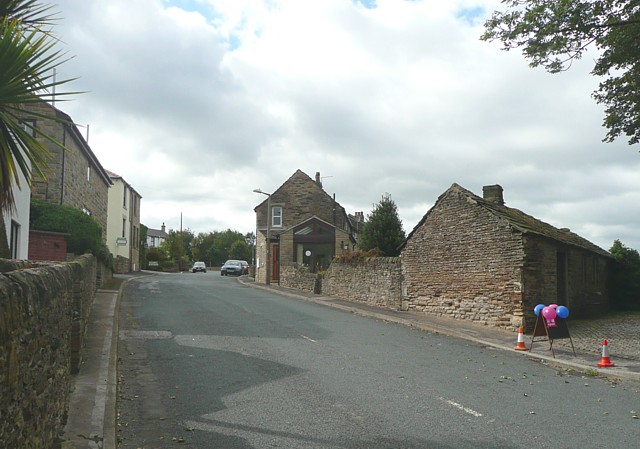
{"x":233,"y":267}
{"x":199,"y":266}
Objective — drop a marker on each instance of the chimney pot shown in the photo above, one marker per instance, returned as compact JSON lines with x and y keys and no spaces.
{"x":493,"y":193}
{"x":318,"y":180}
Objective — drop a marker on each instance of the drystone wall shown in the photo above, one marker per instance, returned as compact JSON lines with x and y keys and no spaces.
{"x":291,"y":276}
{"x":44,"y":309}
{"x":376,"y":281}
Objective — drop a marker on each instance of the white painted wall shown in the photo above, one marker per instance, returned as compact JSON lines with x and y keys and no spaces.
{"x":115,"y":214}
{"x":20,"y":216}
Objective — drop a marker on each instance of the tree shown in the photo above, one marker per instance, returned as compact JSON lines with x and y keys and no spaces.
{"x":240,"y":250}
{"x":624,"y":280}
{"x":554,"y":33}
{"x":178,"y":247}
{"x":383,"y":229}
{"x":27,"y":61}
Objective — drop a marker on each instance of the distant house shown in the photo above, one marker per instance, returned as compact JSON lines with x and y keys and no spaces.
{"x":74,"y":178}
{"x":306,"y":227}
{"x":123,"y":227}
{"x":155,"y":237}
{"x":475,"y":258}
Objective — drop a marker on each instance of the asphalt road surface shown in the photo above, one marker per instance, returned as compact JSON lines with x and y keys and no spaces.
{"x":206,"y":362}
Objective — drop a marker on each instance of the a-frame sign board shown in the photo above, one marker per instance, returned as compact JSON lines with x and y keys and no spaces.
{"x":555,"y":329}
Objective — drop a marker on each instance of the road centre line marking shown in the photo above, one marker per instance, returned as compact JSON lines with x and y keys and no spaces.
{"x":461,"y":407}
{"x":307,"y":338}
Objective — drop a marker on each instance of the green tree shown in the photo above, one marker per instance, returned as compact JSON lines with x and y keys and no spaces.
{"x":203,"y":248}
{"x":27,"y":61}
{"x":240,"y":250}
{"x":554,"y":33}
{"x":177,"y":246}
{"x":624,"y":279}
{"x":383,"y":229}
{"x":216,"y":247}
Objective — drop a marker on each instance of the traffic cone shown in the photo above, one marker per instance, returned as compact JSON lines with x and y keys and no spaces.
{"x":520,"y":346}
{"x":605,"y":362}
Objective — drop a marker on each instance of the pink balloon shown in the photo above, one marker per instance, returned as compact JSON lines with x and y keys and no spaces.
{"x":553,"y":306}
{"x":549,"y":313}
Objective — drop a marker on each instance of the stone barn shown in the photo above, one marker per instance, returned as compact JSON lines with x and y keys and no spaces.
{"x":476,"y":259}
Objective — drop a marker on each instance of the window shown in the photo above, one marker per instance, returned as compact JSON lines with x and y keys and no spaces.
{"x":124,"y":199}
{"x":88,"y":173}
{"x":135,"y":237}
{"x":15,"y":238}
{"x":29,"y":126}
{"x":276,"y":216}
{"x":124,"y":227}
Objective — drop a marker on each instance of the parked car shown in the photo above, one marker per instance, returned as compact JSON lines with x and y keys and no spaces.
{"x":199,"y":266}
{"x":245,"y":267}
{"x":233,"y":267}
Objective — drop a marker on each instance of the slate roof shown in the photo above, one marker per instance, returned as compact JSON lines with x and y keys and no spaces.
{"x":157,"y":233}
{"x":521,"y":222}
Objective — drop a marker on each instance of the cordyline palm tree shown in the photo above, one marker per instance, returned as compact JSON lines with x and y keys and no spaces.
{"x":27,"y":62}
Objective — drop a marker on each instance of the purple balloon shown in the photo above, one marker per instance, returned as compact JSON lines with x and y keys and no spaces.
{"x":549,"y":313}
{"x":538,"y":308}
{"x":562,"y":312}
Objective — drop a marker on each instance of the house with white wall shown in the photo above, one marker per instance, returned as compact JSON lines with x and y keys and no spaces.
{"x":16,"y":222}
{"x":155,"y":237}
{"x":123,"y":225}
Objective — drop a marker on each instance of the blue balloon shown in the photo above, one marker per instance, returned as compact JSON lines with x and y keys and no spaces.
{"x":562,"y":312}
{"x":538,"y":308}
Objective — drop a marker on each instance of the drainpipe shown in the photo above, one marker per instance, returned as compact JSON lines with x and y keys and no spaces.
{"x":64,"y":144}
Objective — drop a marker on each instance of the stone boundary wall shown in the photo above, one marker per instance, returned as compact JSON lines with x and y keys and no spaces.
{"x":44,"y":309}
{"x":376,"y":281}
{"x":292,"y":276}
{"x":121,"y":265}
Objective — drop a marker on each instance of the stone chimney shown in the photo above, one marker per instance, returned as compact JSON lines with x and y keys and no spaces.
{"x":493,"y":193}
{"x":162,"y":227}
{"x":318,"y":180}
{"x":360,"y":217}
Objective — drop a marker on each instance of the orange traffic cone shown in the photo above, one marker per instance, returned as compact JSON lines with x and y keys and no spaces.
{"x":520,"y":346}
{"x":605,"y":361}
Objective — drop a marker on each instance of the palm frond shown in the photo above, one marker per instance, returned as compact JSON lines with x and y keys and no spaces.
{"x":28,"y":57}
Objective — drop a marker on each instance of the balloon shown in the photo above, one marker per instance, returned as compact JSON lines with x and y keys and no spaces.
{"x":553,"y":306}
{"x":562,"y":312}
{"x":538,"y":308}
{"x":549,"y":313}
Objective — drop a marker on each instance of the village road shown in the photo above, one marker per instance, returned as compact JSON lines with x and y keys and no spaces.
{"x":205,"y":362}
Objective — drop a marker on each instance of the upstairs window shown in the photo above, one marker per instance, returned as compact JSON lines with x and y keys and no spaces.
{"x":276,"y":216}
{"x":29,"y":126}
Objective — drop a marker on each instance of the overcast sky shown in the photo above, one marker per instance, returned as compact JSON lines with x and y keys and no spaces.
{"x":198,"y":102}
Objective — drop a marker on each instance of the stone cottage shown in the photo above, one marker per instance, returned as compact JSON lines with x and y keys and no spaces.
{"x":474,"y":258}
{"x":306,"y":227}
{"x":74,"y":178}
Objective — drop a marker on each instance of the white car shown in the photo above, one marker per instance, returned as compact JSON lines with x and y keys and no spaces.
{"x":199,"y":266}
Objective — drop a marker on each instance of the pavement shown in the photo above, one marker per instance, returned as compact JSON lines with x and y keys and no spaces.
{"x":91,"y":421}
